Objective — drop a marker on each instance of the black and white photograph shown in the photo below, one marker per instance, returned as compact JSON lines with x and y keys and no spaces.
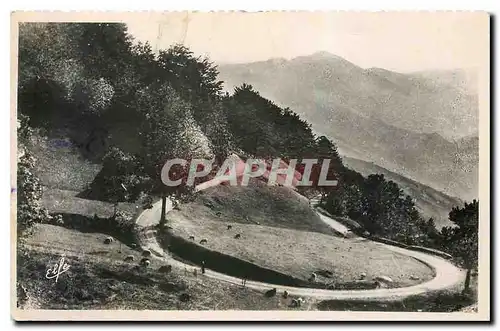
{"x":310,"y":165}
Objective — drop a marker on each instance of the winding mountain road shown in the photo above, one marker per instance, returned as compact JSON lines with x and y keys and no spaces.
{"x":447,"y":274}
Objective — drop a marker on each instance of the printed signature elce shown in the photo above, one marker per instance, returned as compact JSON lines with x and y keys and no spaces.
{"x":58,"y":269}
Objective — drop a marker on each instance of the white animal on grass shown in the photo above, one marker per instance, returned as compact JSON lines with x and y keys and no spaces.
{"x":108,"y":240}
{"x":384,"y":279}
{"x":145,"y":262}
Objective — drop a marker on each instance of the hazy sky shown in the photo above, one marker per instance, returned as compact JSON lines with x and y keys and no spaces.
{"x":397,"y":41}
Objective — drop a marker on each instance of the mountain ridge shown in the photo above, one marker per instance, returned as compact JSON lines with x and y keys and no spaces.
{"x":412,"y":124}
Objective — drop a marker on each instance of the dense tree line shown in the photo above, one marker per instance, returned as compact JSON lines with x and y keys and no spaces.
{"x":152,"y":107}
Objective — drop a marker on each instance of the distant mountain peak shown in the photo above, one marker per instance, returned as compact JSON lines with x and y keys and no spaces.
{"x":321,"y":55}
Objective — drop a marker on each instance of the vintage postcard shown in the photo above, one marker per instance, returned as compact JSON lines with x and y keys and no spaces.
{"x":250,"y":166}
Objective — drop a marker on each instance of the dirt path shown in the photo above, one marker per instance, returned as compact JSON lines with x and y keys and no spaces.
{"x":447,"y":275}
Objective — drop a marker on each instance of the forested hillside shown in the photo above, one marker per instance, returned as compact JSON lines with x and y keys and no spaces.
{"x":130,"y":110}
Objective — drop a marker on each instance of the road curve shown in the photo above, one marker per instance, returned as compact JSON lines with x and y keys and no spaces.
{"x":447,"y":274}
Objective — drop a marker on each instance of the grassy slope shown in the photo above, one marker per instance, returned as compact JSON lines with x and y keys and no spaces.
{"x":65,"y":201}
{"x":256,"y":204}
{"x":60,"y":166}
{"x":99,"y":279}
{"x":280,"y":242}
{"x":63,"y":173}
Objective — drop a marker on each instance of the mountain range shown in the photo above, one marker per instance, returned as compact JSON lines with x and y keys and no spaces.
{"x":421,"y":125}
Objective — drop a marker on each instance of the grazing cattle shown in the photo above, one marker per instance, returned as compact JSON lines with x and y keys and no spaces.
{"x":145,"y":262}
{"x":362,"y":275}
{"x":229,"y":227}
{"x":297,"y":302}
{"x":270,"y":293}
{"x":413,"y":277}
{"x":129,"y":258}
{"x":285,"y":294}
{"x":384,"y":279}
{"x":191,"y":237}
{"x":238,"y":236}
{"x":146,"y":253}
{"x":313,"y":277}
{"x":108,"y":240}
{"x":165,"y":269}
{"x":203,"y":241}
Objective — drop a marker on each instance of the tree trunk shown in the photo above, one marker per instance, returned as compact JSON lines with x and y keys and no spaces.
{"x":163,"y":209}
{"x":467,"y":280}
